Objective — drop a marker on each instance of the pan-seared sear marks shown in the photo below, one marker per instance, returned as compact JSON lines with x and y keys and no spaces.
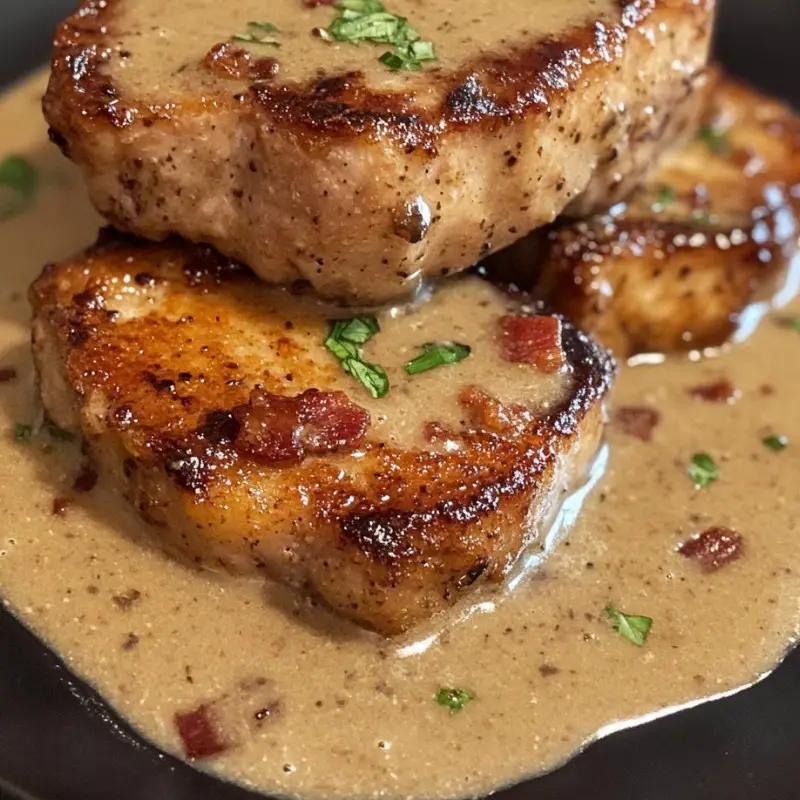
{"x":704,"y":237}
{"x":289,"y":163}
{"x":487,"y":413}
{"x":386,"y":534}
{"x":491,"y":90}
{"x":434,"y":432}
{"x":229,"y":61}
{"x":275,"y":429}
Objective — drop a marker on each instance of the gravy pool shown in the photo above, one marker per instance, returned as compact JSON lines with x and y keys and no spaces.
{"x":318,"y":710}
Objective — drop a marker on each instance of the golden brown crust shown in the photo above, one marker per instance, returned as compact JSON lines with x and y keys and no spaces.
{"x":489,"y":92}
{"x":363,"y":192}
{"x":142,"y":337}
{"x":712,"y":231}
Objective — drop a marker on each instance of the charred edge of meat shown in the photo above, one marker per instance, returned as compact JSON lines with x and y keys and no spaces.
{"x":392,"y":537}
{"x":196,"y":462}
{"x":489,"y":91}
{"x":570,"y":280}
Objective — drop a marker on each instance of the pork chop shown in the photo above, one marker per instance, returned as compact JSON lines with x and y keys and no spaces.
{"x":711,"y":232}
{"x":323,"y":161}
{"x":243,"y":426}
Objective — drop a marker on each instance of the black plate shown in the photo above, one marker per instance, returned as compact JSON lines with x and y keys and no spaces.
{"x":58,"y":742}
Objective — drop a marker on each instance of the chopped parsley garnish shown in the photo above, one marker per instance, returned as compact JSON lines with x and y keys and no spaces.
{"x":369,"y":21}
{"x":22,"y":432}
{"x":437,"y":354}
{"x":775,"y":443}
{"x":409,"y":56}
{"x":666,"y":195}
{"x":344,"y":340}
{"x":258,"y":33}
{"x":454,"y":699}
{"x":715,"y":140}
{"x":632,"y":627}
{"x":703,"y":470}
{"x":18,"y":183}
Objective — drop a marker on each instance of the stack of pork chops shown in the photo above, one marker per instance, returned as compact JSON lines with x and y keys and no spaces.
{"x":282,"y":354}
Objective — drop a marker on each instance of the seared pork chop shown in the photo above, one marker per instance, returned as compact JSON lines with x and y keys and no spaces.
{"x":311,"y":159}
{"x":711,"y":232}
{"x":214,"y":403}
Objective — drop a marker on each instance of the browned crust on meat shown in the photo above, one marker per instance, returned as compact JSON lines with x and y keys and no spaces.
{"x":708,"y":280}
{"x":676,"y":275}
{"x":488,"y":93}
{"x":449,"y":518}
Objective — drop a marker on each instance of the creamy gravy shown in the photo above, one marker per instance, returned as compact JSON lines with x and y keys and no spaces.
{"x":350,"y":715}
{"x":154,"y":67}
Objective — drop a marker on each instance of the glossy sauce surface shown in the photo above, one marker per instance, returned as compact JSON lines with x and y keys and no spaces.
{"x":316,"y":709}
{"x":158,"y":66}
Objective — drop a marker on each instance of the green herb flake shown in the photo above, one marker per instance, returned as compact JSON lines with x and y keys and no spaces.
{"x":633,"y":627}
{"x":369,"y":21}
{"x":357,"y":330}
{"x":437,"y":354}
{"x":666,"y":196}
{"x":371,"y":376}
{"x":715,"y":140}
{"x":775,"y":443}
{"x":703,"y":470}
{"x":258,"y":33}
{"x":343,"y":341}
{"x":454,"y":699}
{"x":18,"y":183}
{"x":22,"y":432}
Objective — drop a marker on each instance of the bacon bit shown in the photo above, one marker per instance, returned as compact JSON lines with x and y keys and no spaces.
{"x":8,"y":374}
{"x":533,"y":340}
{"x":198,"y":733}
{"x":713,"y":548}
{"x":228,"y":720}
{"x":488,"y":413}
{"x":86,"y":479}
{"x":60,"y":506}
{"x":229,"y":61}
{"x":721,"y":391}
{"x":638,"y":421}
{"x":275,"y":428}
{"x":262,"y":69}
{"x":126,"y":600}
